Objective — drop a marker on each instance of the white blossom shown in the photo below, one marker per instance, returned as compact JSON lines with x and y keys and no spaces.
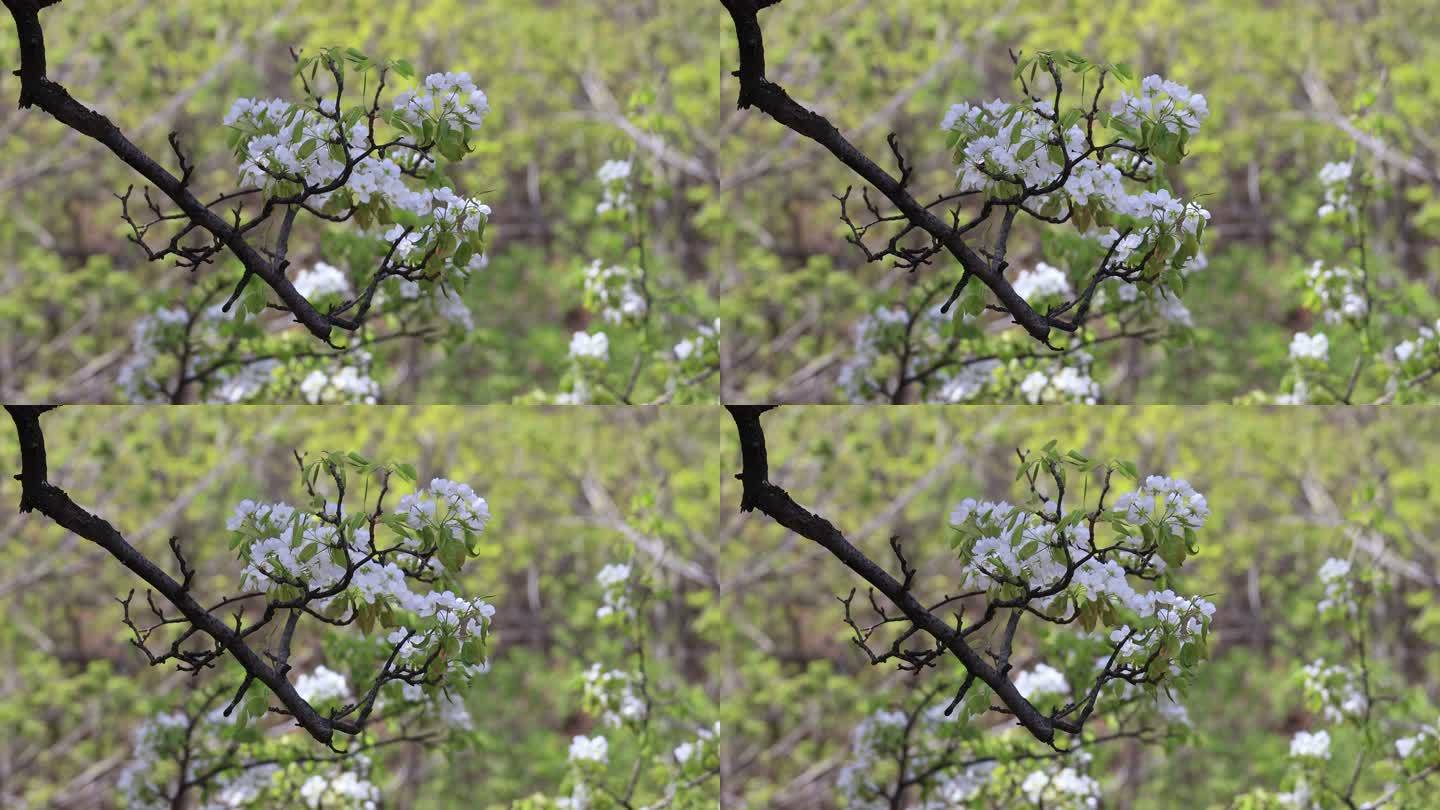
{"x":590,"y":347}
{"x":1310,"y":347}
{"x":1312,"y":746}
{"x":589,"y":749}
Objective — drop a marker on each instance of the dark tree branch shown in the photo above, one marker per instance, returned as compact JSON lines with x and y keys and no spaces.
{"x":38,"y":494}
{"x":37,"y":90}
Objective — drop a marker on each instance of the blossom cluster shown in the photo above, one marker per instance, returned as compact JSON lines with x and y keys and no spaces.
{"x":450,"y":97}
{"x":1424,"y":743}
{"x":1338,"y":292}
{"x":614,"y":177}
{"x":337,"y":564}
{"x":886,"y":732}
{"x":614,"y":696}
{"x":1168,"y":502}
{"x":322,"y":280}
{"x":1308,"y":745}
{"x":1391,"y":740}
{"x":1045,"y":282}
{"x":1054,"y":561}
{"x":1335,"y":690}
{"x":1163,"y":103}
{"x":621,"y":700}
{"x":1157,"y":302}
{"x":347,"y":382}
{"x":953,"y":770}
{"x":585,"y":347}
{"x":446,"y":509}
{"x":336,"y":162}
{"x":615,"y":582}
{"x":927,"y":344}
{"x":342,"y":790}
{"x":705,"y":745}
{"x":324,"y":685}
{"x":950,"y":357}
{"x":201,"y":351}
{"x":170,"y":345}
{"x":589,"y":749}
{"x":1422,"y":351}
{"x":617,"y":293}
{"x":171,"y":749}
{"x":150,"y":335}
{"x":705,"y":344}
{"x":1043,"y":680}
{"x":622,"y":288}
{"x":1012,"y":151}
{"x":281,"y":146}
{"x":1066,"y":787}
{"x":589,"y":354}
{"x":1066,"y":382}
{"x":1340,"y":597}
{"x":1001,"y":146}
{"x":1305,"y":347}
{"x":882,"y":328}
{"x":1335,"y":180}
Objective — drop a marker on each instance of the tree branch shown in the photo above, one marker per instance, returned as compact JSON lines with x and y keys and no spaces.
{"x":38,"y":494}
{"x":39,"y":91}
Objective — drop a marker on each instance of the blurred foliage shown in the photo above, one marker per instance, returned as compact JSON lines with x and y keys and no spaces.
{"x":571,"y":490}
{"x":1287,"y":489}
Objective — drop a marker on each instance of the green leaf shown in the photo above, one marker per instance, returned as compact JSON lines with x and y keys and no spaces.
{"x":452,"y":555}
{"x":1189,"y":655}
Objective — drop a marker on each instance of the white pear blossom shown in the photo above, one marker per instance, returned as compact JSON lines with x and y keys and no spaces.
{"x":616,"y":694}
{"x":1335,"y":179}
{"x":1045,"y":281}
{"x":1164,"y":103}
{"x":343,"y":791}
{"x":1338,"y":691}
{"x":348,"y":383}
{"x":451,"y":96}
{"x":614,"y":177}
{"x":589,"y":749}
{"x":322,"y":279}
{"x":1305,"y":745}
{"x":585,"y":346}
{"x":1042,"y":680}
{"x":615,"y":292}
{"x":1064,"y":383}
{"x":614,"y":580}
{"x":324,"y":685}
{"x":1310,"y":347}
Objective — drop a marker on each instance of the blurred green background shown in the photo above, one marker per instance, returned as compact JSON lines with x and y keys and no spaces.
{"x":1287,"y":489}
{"x":570,"y":490}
